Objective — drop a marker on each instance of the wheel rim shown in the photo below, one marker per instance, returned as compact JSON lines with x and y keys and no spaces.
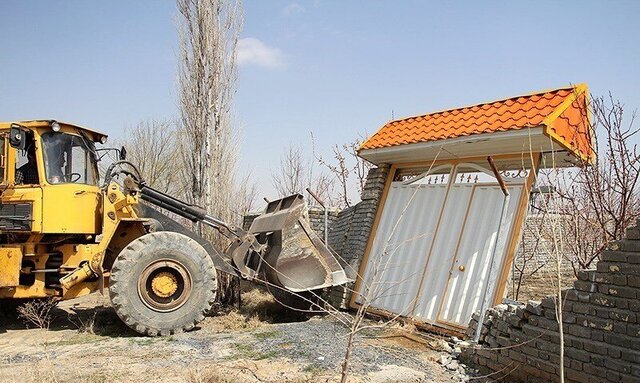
{"x":164,"y":285}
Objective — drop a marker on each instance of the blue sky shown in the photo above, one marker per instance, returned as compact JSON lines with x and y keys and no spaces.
{"x":337,"y":69}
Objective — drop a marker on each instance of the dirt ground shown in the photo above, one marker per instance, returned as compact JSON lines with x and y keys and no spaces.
{"x":261,"y":342}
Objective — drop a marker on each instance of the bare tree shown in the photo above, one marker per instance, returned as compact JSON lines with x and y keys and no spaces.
{"x":530,"y":258}
{"x":209,"y":31}
{"x":246,"y":197}
{"x":296,"y":173}
{"x":346,"y":169}
{"x":293,"y":174}
{"x":151,"y":145}
{"x":602,"y":197}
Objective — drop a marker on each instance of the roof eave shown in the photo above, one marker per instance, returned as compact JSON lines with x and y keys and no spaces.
{"x":512,"y":142}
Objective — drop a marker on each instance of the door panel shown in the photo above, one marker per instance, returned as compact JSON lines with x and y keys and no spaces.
{"x":469,"y":275}
{"x":443,"y":252}
{"x":398,"y":255}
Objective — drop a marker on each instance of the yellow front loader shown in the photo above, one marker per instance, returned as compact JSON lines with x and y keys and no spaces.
{"x":65,"y":233}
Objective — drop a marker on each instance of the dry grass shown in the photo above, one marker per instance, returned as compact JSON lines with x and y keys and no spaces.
{"x":258,"y":308}
{"x":234,"y":320}
{"x":252,"y":371}
{"x":85,"y":325}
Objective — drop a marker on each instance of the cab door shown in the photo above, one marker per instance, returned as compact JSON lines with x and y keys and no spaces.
{"x":71,"y":197}
{"x":21,"y":201}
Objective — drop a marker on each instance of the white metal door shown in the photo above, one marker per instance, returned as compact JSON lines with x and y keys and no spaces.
{"x":425,"y":234}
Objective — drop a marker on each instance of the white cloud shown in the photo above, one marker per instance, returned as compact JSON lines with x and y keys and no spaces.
{"x":293,"y":9}
{"x":252,"y":51}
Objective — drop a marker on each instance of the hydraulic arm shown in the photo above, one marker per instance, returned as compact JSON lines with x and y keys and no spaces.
{"x":279,"y":248}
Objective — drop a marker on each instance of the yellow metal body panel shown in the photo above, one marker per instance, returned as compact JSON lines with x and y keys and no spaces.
{"x":71,"y":208}
{"x":10,"y":262}
{"x":37,"y":290}
{"x":120,"y":226}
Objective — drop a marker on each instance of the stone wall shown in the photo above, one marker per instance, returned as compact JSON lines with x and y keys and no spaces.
{"x":601,"y":323}
{"x":352,"y":230}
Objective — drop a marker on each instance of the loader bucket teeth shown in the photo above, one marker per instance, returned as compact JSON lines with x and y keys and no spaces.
{"x":294,"y":258}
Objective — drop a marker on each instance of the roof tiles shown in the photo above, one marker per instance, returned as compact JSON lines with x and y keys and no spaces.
{"x":568,"y":123}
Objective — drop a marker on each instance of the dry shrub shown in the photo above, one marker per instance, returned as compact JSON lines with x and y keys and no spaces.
{"x":85,"y":325}
{"x":258,"y":308}
{"x":37,"y":312}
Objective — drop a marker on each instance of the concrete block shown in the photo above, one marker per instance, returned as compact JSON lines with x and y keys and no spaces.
{"x":585,"y":286}
{"x":630,"y":356}
{"x":576,"y":376}
{"x":628,"y":268}
{"x":580,"y":308}
{"x":613,"y":256}
{"x":621,"y":291}
{"x":579,"y":331}
{"x":633,"y":280}
{"x":534,"y":307}
{"x":597,"y":335}
{"x":633,"y":330}
{"x":612,"y":279}
{"x":587,"y":275}
{"x":614,"y":352}
{"x":608,"y":267}
{"x":624,"y":245}
{"x":632,"y":233}
{"x":621,"y":340}
{"x":602,"y":300}
{"x":579,"y":355}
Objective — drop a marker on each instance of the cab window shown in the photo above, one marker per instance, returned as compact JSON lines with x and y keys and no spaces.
{"x":68,"y":159}
{"x":26,"y":166}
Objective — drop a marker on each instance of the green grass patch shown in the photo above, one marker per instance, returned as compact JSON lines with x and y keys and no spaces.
{"x":248,"y":351}
{"x":266,"y":334}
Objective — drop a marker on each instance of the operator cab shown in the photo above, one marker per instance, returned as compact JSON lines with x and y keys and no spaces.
{"x":68,"y":154}
{"x":49,"y":169}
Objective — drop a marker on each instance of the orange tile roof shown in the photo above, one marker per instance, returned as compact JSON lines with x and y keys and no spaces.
{"x":561,"y":111}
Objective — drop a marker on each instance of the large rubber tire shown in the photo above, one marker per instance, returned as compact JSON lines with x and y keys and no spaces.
{"x":132,"y":265}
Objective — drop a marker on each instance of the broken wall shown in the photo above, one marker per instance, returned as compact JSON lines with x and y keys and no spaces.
{"x":601,"y":323}
{"x":349,"y":235}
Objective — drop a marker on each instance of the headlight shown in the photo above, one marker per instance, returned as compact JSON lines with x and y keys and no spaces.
{"x":103,"y":140}
{"x":55,"y":126}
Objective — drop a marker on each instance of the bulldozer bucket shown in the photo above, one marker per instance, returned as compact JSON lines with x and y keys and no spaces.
{"x":296,"y":259}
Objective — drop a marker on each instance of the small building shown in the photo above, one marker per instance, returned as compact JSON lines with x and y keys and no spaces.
{"x":451,"y":212}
